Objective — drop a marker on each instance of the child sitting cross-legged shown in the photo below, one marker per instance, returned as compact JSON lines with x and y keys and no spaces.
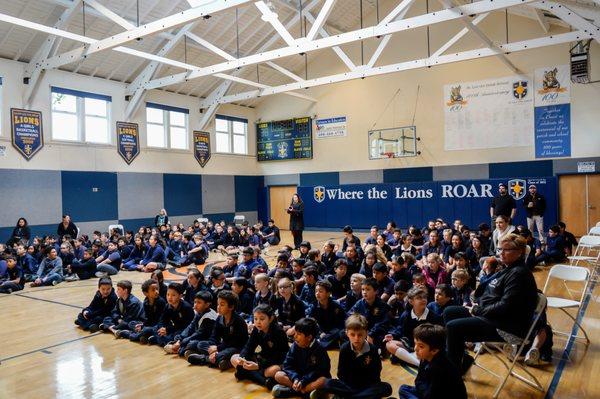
{"x":177,"y":315}
{"x":359,"y":365}
{"x":329,"y":315}
{"x":306,"y":366}
{"x":127,"y":309}
{"x":437,"y":377}
{"x":102,"y":305}
{"x":260,"y":366}
{"x":228,"y":337}
{"x":154,"y":306}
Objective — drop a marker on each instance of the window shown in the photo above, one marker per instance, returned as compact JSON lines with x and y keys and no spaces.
{"x":80,"y":116}
{"x":166,"y":126}
{"x":231,"y":134}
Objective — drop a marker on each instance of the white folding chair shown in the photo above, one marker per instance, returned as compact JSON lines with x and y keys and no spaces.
{"x":595,"y":231}
{"x":78,"y":232}
{"x":573,"y":274}
{"x":238,"y":220}
{"x":202,"y":220}
{"x":598,"y":224}
{"x":119,"y":227}
{"x":509,"y":357}
{"x":583,"y":252}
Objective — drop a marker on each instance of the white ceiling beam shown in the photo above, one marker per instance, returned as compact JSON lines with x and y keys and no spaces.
{"x":321,"y":19}
{"x":449,"y":4}
{"x":209,"y":46}
{"x":33,"y":70}
{"x":284,"y":71}
{"x":343,"y":38}
{"x":398,"y":13}
{"x":458,"y":36}
{"x":272,"y":18}
{"x":541,"y":18}
{"x":261,"y":86}
{"x":110,"y":14}
{"x":408,"y":65}
{"x":571,"y":17}
{"x":144,"y":30}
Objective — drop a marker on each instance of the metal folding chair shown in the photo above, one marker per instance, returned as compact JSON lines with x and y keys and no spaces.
{"x":118,"y":227}
{"x":238,"y":220}
{"x":504,"y":352}
{"x":573,"y":274}
{"x":202,"y":220}
{"x":595,"y":231}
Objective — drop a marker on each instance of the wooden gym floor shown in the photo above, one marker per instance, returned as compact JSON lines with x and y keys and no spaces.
{"x":44,"y":355}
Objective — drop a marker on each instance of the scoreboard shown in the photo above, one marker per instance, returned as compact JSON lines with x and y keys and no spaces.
{"x":284,"y":140}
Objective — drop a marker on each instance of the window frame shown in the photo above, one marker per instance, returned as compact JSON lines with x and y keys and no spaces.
{"x":167,"y":125}
{"x":81,"y":114}
{"x":230,"y":134}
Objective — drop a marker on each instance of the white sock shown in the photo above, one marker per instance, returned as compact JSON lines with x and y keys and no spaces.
{"x":408,"y":357}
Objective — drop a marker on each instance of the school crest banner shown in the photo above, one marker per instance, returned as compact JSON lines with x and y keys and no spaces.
{"x":202,"y":147}
{"x":128,"y":141}
{"x":27,"y":132}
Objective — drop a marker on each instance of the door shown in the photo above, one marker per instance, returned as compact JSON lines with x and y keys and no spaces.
{"x":579,"y":202}
{"x":279,"y":200}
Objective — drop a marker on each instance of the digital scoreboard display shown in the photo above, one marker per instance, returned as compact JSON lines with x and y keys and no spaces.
{"x":284,"y":140}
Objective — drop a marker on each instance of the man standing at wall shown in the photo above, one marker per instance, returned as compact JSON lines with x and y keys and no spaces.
{"x":535,"y":206}
{"x":503,"y":204}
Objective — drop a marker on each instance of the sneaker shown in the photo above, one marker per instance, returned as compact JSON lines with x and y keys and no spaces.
{"x":94,"y":328}
{"x":118,"y":334}
{"x":102,"y":327}
{"x":169,"y":349}
{"x":270,"y":383}
{"x":144,"y":340}
{"x":318,"y":394}
{"x":54,"y":282}
{"x":197,"y":359}
{"x":224,"y":365}
{"x":187,"y":353}
{"x":532,"y":358}
{"x":9,"y":291}
{"x":71,"y":278}
{"x":101,"y":274}
{"x":152,"y":340}
{"x":281,"y":391}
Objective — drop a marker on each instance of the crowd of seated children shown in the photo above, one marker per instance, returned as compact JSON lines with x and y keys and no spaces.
{"x":308,"y":297}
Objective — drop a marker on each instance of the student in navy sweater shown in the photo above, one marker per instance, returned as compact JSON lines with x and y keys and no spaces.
{"x":101,"y":307}
{"x":359,"y":366}
{"x":154,"y":306}
{"x":176,"y":317}
{"x":241,"y":287}
{"x":288,"y":307}
{"x":261,"y":366}
{"x":138,"y":252}
{"x":127,"y":309}
{"x":14,"y":280}
{"x":82,"y":269}
{"x":555,"y":247}
{"x":329,"y":315}
{"x":192,"y":285}
{"x":228,"y":336}
{"x":437,"y":376}
{"x":25,"y":261}
{"x":375,"y":310}
{"x":444,"y":297}
{"x":155,"y":257}
{"x":50,"y":271}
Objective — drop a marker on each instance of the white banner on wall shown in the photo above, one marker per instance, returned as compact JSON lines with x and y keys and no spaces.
{"x":331,"y":127}
{"x":489,"y":113}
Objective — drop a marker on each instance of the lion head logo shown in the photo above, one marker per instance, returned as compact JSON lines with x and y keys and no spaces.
{"x":455,"y":97}
{"x":550,"y":80}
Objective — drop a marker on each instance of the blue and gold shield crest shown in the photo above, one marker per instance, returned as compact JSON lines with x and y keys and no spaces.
{"x":319,"y":194}
{"x":516,"y":188}
{"x":520,"y":89}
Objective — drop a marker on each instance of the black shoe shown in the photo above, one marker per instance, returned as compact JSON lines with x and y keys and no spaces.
{"x":270,"y":383}
{"x":281,"y":391}
{"x":239,"y":373}
{"x":197,"y":359}
{"x":224,"y":365}
{"x":123,"y":334}
{"x":94,"y":328}
{"x":152,"y":340}
{"x":77,"y":322}
{"x":103,"y":327}
{"x":467,"y":362}
{"x":144,"y":340}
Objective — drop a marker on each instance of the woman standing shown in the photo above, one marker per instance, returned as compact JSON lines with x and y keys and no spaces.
{"x":66,"y":227}
{"x":296,"y":211}
{"x":20,"y":232}
{"x":161,"y":219}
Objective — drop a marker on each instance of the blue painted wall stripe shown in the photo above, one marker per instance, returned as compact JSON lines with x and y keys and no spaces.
{"x":521,"y":169}
{"x":408,"y":175}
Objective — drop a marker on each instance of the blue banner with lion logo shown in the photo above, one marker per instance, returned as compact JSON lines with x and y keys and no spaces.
{"x":128,"y":141}
{"x":27,"y":132}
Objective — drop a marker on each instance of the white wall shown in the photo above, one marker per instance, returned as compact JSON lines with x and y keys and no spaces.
{"x":89,"y":157}
{"x":364,"y":101}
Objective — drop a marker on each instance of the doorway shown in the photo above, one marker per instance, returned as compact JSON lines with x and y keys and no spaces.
{"x":279,"y":200}
{"x":579,"y":198}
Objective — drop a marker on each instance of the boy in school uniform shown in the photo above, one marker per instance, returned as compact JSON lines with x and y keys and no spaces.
{"x":50,"y":270}
{"x":437,"y":377}
{"x":354,"y":293}
{"x":306,"y":366}
{"x":385,"y":284}
{"x":328,"y":257}
{"x":176,"y":317}
{"x":228,"y":337}
{"x":340,"y":283}
{"x":109,"y":263}
{"x":271,"y":234}
{"x":154,"y":306}
{"x":397,"y":302}
{"x":375,"y":310}
{"x":14,"y":280}
{"x":218,"y":284}
{"x":127,"y":309}
{"x":460,"y":287}
{"x":307,"y":294}
{"x":155,"y":257}
{"x":102,"y":305}
{"x":444,"y":297}
{"x":199,"y":329}
{"x":359,"y":366}
{"x":82,"y":269}
{"x":329,"y":315}
{"x":25,"y":261}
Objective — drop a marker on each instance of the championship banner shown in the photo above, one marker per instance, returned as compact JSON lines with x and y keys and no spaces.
{"x":553,"y":112}
{"x":491,"y":113}
{"x":331,"y":127}
{"x":202,"y":147}
{"x":128,"y":141}
{"x":27,"y":132}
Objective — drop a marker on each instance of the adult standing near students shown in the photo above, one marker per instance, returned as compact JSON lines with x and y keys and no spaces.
{"x":66,"y":227}
{"x":535,"y":206}
{"x":503,"y":204}
{"x":296,"y":211}
{"x":508,"y":304}
{"x":20,"y":232}
{"x":162,"y":218}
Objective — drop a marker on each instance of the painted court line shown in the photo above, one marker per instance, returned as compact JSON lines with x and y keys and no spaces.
{"x":45,"y":349}
{"x":565,"y":356}
{"x":49,"y":301}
